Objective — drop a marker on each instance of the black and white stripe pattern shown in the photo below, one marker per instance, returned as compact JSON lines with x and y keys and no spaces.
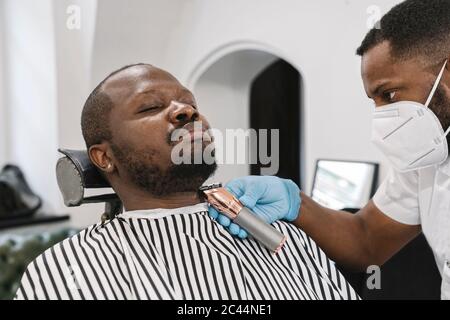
{"x":180,"y":254}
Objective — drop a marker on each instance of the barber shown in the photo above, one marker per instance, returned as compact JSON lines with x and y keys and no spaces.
{"x":405,"y":72}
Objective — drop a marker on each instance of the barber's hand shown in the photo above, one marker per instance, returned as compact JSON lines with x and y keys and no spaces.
{"x":269,"y":197}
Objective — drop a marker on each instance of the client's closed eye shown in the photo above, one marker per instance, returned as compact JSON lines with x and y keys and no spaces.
{"x":148,"y":108}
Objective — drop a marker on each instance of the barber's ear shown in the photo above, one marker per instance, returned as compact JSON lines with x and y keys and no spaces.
{"x":100,"y":157}
{"x":446,"y":76}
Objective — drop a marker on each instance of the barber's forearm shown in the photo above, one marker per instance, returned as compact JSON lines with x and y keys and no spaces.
{"x":340,"y":234}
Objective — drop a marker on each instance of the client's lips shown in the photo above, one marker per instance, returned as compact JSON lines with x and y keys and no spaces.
{"x":196,"y":135}
{"x":192,"y":132}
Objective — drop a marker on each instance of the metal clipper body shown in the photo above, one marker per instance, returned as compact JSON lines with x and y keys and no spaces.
{"x":223,"y":201}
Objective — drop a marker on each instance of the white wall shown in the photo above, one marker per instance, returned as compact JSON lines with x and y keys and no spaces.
{"x":30,"y":92}
{"x":73,"y":59}
{"x":134,"y":31}
{"x":73,"y":47}
{"x":3,"y":116}
{"x":320,"y":39}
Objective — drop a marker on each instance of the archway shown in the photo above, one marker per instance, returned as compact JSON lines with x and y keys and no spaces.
{"x":224,"y":85}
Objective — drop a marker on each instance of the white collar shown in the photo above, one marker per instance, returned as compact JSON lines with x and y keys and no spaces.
{"x":445,"y":167}
{"x":163,"y":212}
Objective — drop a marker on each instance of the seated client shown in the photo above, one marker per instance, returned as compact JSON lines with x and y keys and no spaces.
{"x":165,"y":245}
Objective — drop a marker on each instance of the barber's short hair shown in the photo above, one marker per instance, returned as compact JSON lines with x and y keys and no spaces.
{"x":414,"y":28}
{"x":95,"y":115}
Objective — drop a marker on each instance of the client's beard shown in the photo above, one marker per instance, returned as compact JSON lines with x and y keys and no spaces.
{"x":176,"y":178}
{"x":440,"y":105}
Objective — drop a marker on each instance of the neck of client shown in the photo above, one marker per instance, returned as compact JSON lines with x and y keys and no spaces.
{"x":137,"y":199}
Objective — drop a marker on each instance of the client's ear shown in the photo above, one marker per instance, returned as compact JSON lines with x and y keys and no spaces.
{"x":98,"y":153}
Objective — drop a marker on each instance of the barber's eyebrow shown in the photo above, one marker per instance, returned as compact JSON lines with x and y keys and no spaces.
{"x":375,"y":92}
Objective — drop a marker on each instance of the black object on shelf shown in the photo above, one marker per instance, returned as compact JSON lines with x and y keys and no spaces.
{"x":17,"y":200}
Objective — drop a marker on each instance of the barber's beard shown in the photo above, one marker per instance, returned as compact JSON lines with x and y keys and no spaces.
{"x":151,"y":178}
{"x":440,"y":105}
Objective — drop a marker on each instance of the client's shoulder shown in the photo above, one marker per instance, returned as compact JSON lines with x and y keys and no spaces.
{"x":67,"y":249}
{"x":53,"y":267}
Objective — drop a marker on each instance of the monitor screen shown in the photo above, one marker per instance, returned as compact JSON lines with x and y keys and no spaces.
{"x":344,"y":184}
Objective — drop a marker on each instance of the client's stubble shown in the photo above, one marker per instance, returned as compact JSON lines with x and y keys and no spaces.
{"x":140,"y":167}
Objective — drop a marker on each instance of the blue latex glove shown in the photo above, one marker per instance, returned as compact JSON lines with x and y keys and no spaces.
{"x":269,"y":197}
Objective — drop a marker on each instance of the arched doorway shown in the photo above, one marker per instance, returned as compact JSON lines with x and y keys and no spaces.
{"x":275,"y":103}
{"x":233,"y":93}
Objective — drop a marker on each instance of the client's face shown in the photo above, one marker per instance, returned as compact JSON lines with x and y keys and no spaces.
{"x":150,"y":105}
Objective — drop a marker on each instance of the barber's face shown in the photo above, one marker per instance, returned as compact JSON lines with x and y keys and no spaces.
{"x":387,"y":81}
{"x":149,"y":105}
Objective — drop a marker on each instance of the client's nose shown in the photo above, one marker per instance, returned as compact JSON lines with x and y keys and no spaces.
{"x":183,"y":113}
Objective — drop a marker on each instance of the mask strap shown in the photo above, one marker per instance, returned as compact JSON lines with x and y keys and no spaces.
{"x":447,"y":132}
{"x":436,"y":83}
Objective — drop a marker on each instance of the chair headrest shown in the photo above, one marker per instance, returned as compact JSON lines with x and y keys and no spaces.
{"x":75,"y":172}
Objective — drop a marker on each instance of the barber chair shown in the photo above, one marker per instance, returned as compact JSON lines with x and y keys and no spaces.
{"x":75,"y":173}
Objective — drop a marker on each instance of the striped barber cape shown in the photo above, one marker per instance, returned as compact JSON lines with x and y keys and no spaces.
{"x":180,"y":254}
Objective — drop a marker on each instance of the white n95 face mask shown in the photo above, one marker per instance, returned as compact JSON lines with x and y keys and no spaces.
{"x":409,"y":134}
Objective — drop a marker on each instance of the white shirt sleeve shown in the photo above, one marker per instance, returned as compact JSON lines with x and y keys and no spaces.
{"x":398,"y":197}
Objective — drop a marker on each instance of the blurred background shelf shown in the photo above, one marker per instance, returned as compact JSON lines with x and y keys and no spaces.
{"x":22,"y":240}
{"x":35,"y":220}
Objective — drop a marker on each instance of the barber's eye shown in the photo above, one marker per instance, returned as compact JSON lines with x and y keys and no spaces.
{"x":389,"y":96}
{"x":392,"y":95}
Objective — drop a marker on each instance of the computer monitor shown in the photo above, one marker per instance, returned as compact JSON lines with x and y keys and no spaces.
{"x":340,"y":184}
